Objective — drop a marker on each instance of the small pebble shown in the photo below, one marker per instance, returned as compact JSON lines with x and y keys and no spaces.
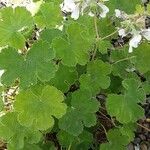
{"x":143,"y":146}
{"x":142,"y":137}
{"x":130,"y":146}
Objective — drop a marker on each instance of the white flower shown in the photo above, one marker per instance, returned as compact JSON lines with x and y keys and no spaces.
{"x":76,"y":12}
{"x":118,"y":13}
{"x":1,"y":73}
{"x":77,"y":7}
{"x":134,"y":42}
{"x":31,"y":6}
{"x":104,"y":8}
{"x":59,"y":27}
{"x":146,"y":34}
{"x":85,"y":4}
{"x":34,"y":7}
{"x":72,"y":7}
{"x":91,"y":14}
{"x":122,"y":32}
{"x":68,"y":5}
{"x":129,"y":26}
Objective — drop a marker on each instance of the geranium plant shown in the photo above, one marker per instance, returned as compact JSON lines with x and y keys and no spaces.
{"x":67,"y":63}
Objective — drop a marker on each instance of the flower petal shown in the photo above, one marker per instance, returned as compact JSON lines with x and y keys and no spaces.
{"x":75,"y":13}
{"x":122,"y":32}
{"x":146,"y":33}
{"x":134,"y":42}
{"x":104,"y":8}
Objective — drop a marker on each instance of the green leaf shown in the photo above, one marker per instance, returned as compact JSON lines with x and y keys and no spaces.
{"x":146,"y":86}
{"x":50,"y":34}
{"x":64,"y":78}
{"x":83,"y":108}
{"x":87,"y":21}
{"x":125,"y":5}
{"x":140,"y":9}
{"x":49,"y":15}
{"x":1,"y":99}
{"x":103,"y":46}
{"x":121,"y":60}
{"x":125,"y":107}
{"x":36,"y":111}
{"x":15,"y":134}
{"x":31,"y":147}
{"x":142,"y":58}
{"x":36,"y":65}
{"x":66,"y":140}
{"x":11,"y":23}
{"x":128,"y":130}
{"x":41,"y":55}
{"x":96,"y":76}
{"x":115,"y":85}
{"x":105,"y":27}
{"x":116,"y":141}
{"x":75,"y":49}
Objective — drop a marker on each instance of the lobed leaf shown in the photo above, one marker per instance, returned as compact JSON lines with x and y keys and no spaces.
{"x":37,"y":111}
{"x":125,"y":107}
{"x":83,"y":109}
{"x":36,"y":65}
{"x":12,"y":22}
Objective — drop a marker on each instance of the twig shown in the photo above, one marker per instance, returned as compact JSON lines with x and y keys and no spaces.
{"x":108,"y":119}
{"x":97,"y":36}
{"x":143,"y":127}
{"x":124,"y":59}
{"x":104,"y":129}
{"x":96,"y":27}
{"x":69,"y":148}
{"x":109,"y":35}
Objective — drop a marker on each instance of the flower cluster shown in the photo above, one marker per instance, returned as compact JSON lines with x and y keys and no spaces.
{"x":29,"y":4}
{"x":135,"y":25}
{"x":77,"y":7}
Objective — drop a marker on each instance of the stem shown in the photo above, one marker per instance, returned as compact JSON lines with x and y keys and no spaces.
{"x":143,"y":127}
{"x":123,"y":59}
{"x":109,"y":35}
{"x":96,"y":28}
{"x":69,"y":148}
{"x":108,"y":119}
{"x":94,"y":53}
{"x":104,"y":129}
{"x":97,"y":36}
